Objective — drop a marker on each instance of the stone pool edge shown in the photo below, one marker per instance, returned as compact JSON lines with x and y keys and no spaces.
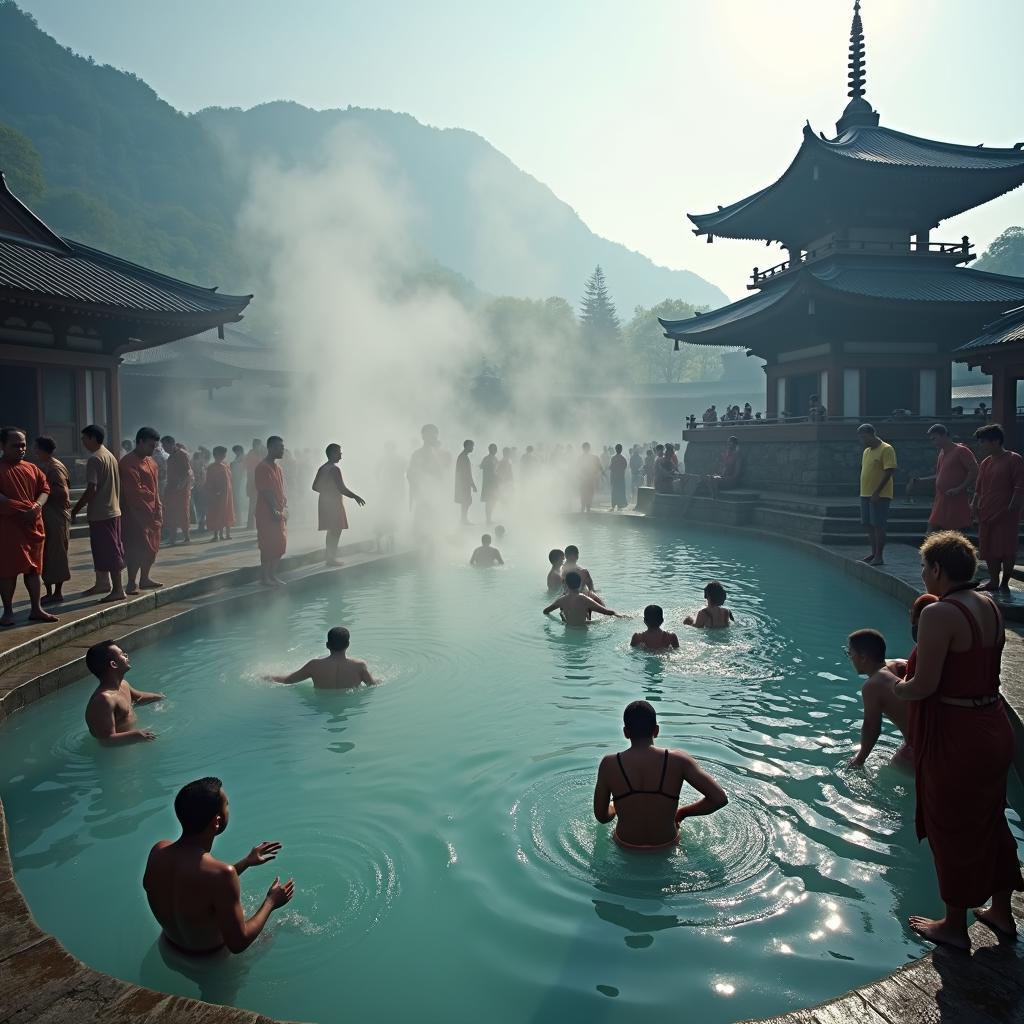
{"x":41,"y":978}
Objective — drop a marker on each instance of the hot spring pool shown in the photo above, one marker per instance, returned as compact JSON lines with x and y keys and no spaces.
{"x":439,"y":827}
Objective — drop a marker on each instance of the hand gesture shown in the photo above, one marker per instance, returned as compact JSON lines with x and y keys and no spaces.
{"x":147,"y":734}
{"x":279,"y":894}
{"x":360,"y":502}
{"x":855,"y":762}
{"x":680,"y":815}
{"x":953,"y":492}
{"x":262,"y":854}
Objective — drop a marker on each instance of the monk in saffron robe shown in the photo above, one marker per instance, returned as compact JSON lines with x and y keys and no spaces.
{"x":330,"y":485}
{"x":271,"y":512}
{"x":998,"y":501}
{"x":56,"y":521}
{"x":141,"y":510}
{"x":220,"y":498}
{"x":178,"y":492}
{"x":963,"y":746}
{"x":23,"y":493}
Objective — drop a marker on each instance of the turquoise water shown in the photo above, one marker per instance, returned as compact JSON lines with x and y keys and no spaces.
{"x":439,"y":827}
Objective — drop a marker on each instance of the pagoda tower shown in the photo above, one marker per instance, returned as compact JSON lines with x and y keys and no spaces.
{"x":866,"y":308}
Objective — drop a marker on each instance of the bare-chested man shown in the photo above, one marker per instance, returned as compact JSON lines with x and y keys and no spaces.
{"x":866,"y":649}
{"x":195,"y":897}
{"x":110,"y":713}
{"x":556,"y":557}
{"x":641,"y":786}
{"x":576,"y":608}
{"x":335,"y":672}
{"x":572,"y":564}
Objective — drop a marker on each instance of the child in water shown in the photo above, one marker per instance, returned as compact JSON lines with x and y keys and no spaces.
{"x":486,"y":556}
{"x":715,"y":615}
{"x":866,"y":650}
{"x":654,"y":638}
{"x":574,"y":607}
{"x":556,"y":557}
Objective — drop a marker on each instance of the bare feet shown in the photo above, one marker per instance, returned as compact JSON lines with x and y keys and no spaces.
{"x":940,"y":932}
{"x":1002,"y":924}
{"x":93,"y":591}
{"x":51,"y":599}
{"x":876,"y":561}
{"x":148,"y":584}
{"x":868,"y":558}
{"x":131,"y":590}
{"x":114,"y":595}
{"x":1004,"y":588}
{"x":7,"y":620}
{"x":989,"y":585}
{"x":41,"y":616}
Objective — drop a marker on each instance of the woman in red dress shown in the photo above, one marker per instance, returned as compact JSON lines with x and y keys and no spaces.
{"x":963,"y":745}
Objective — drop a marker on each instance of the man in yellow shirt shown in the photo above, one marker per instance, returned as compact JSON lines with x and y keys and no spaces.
{"x":877,"y":468}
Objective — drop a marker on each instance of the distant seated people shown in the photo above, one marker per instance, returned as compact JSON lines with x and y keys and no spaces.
{"x":982,"y":410}
{"x":574,"y":607}
{"x":110,"y":713}
{"x":728,"y":476}
{"x":748,"y":411}
{"x":572,"y":564}
{"x":654,"y":638}
{"x":714,"y":615}
{"x":556,"y":557}
{"x":641,"y":786}
{"x":903,"y":668}
{"x":335,"y":672}
{"x":196,"y":898}
{"x":866,"y":651}
{"x":485,"y":556}
{"x":816,"y":412}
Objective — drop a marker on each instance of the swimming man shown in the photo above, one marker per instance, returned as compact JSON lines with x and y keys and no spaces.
{"x":485,"y":556}
{"x":654,"y":638}
{"x":641,"y":786}
{"x":576,"y":608}
{"x":714,"y":615}
{"x":110,"y":713}
{"x":195,"y":897}
{"x":335,"y":672}
{"x":866,"y":650}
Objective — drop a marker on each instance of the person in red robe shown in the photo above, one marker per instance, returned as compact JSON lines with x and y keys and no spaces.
{"x":142,"y":513}
{"x":956,"y":469}
{"x":963,"y":745}
{"x":271,"y":512}
{"x":330,"y":485}
{"x":23,"y":493}
{"x":177,"y":491}
{"x":220,"y":498}
{"x":998,"y":500}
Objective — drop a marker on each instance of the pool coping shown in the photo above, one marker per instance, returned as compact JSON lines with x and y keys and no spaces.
{"x":48,"y":985}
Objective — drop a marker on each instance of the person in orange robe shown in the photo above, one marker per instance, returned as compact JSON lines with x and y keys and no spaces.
{"x":998,"y":502}
{"x":23,"y":493}
{"x":141,"y":511}
{"x":178,"y":491}
{"x":56,"y":521}
{"x":271,"y":512}
{"x":330,"y":485}
{"x":220,"y":498}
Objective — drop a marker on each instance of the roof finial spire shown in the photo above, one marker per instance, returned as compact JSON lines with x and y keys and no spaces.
{"x":858,"y":111}
{"x":856,"y":65}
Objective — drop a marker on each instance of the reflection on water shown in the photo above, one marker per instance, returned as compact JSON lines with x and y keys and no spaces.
{"x":439,"y":826}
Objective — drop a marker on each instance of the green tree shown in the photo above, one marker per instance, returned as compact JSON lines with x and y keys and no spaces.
{"x":21,"y":165}
{"x":600,"y":334}
{"x":653,"y":358}
{"x":1006,"y":254}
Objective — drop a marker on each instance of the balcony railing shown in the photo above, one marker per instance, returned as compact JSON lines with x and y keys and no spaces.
{"x":960,"y":251}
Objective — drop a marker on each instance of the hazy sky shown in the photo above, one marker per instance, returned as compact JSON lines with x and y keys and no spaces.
{"x":634,"y":113}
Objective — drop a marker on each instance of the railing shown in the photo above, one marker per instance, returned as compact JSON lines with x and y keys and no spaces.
{"x":961,"y":250}
{"x":790,"y":421}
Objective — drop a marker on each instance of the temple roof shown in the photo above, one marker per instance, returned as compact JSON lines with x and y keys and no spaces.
{"x":886,"y":280}
{"x":1008,"y":329}
{"x":39,"y":266}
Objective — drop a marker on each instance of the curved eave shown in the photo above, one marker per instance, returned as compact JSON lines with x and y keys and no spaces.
{"x":706,"y":328}
{"x":1007,"y":330}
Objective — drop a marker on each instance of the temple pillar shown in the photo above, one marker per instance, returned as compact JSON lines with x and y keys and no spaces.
{"x":834,"y":399}
{"x":1004,"y":403}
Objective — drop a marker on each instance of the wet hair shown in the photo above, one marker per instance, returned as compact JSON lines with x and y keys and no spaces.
{"x":97,"y":433}
{"x":334,"y":447}
{"x":573,"y":580}
{"x":715,"y":593}
{"x":868,"y":642}
{"x":653,"y":615}
{"x":273,"y":439}
{"x":485,"y":539}
{"x":938,"y":428}
{"x":198,"y":803}
{"x":237,"y":449}
{"x":990,"y":432}
{"x":556,"y":555}
{"x":953,"y":553}
{"x":5,"y":433}
{"x":338,"y":638}
{"x":146,"y":434}
{"x":571,"y":551}
{"x":865,"y":428}
{"x":219,"y":450}
{"x":919,"y":606}
{"x":640,"y":720}
{"x":97,"y":658}
{"x":46,"y":444}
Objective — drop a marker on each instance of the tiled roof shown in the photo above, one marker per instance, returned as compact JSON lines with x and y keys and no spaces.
{"x":901,"y":280}
{"x":1009,"y":328}
{"x":692,"y":327}
{"x":885,"y":146}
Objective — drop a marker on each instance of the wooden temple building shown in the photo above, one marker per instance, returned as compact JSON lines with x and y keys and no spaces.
{"x":868,"y":307}
{"x":69,"y":314}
